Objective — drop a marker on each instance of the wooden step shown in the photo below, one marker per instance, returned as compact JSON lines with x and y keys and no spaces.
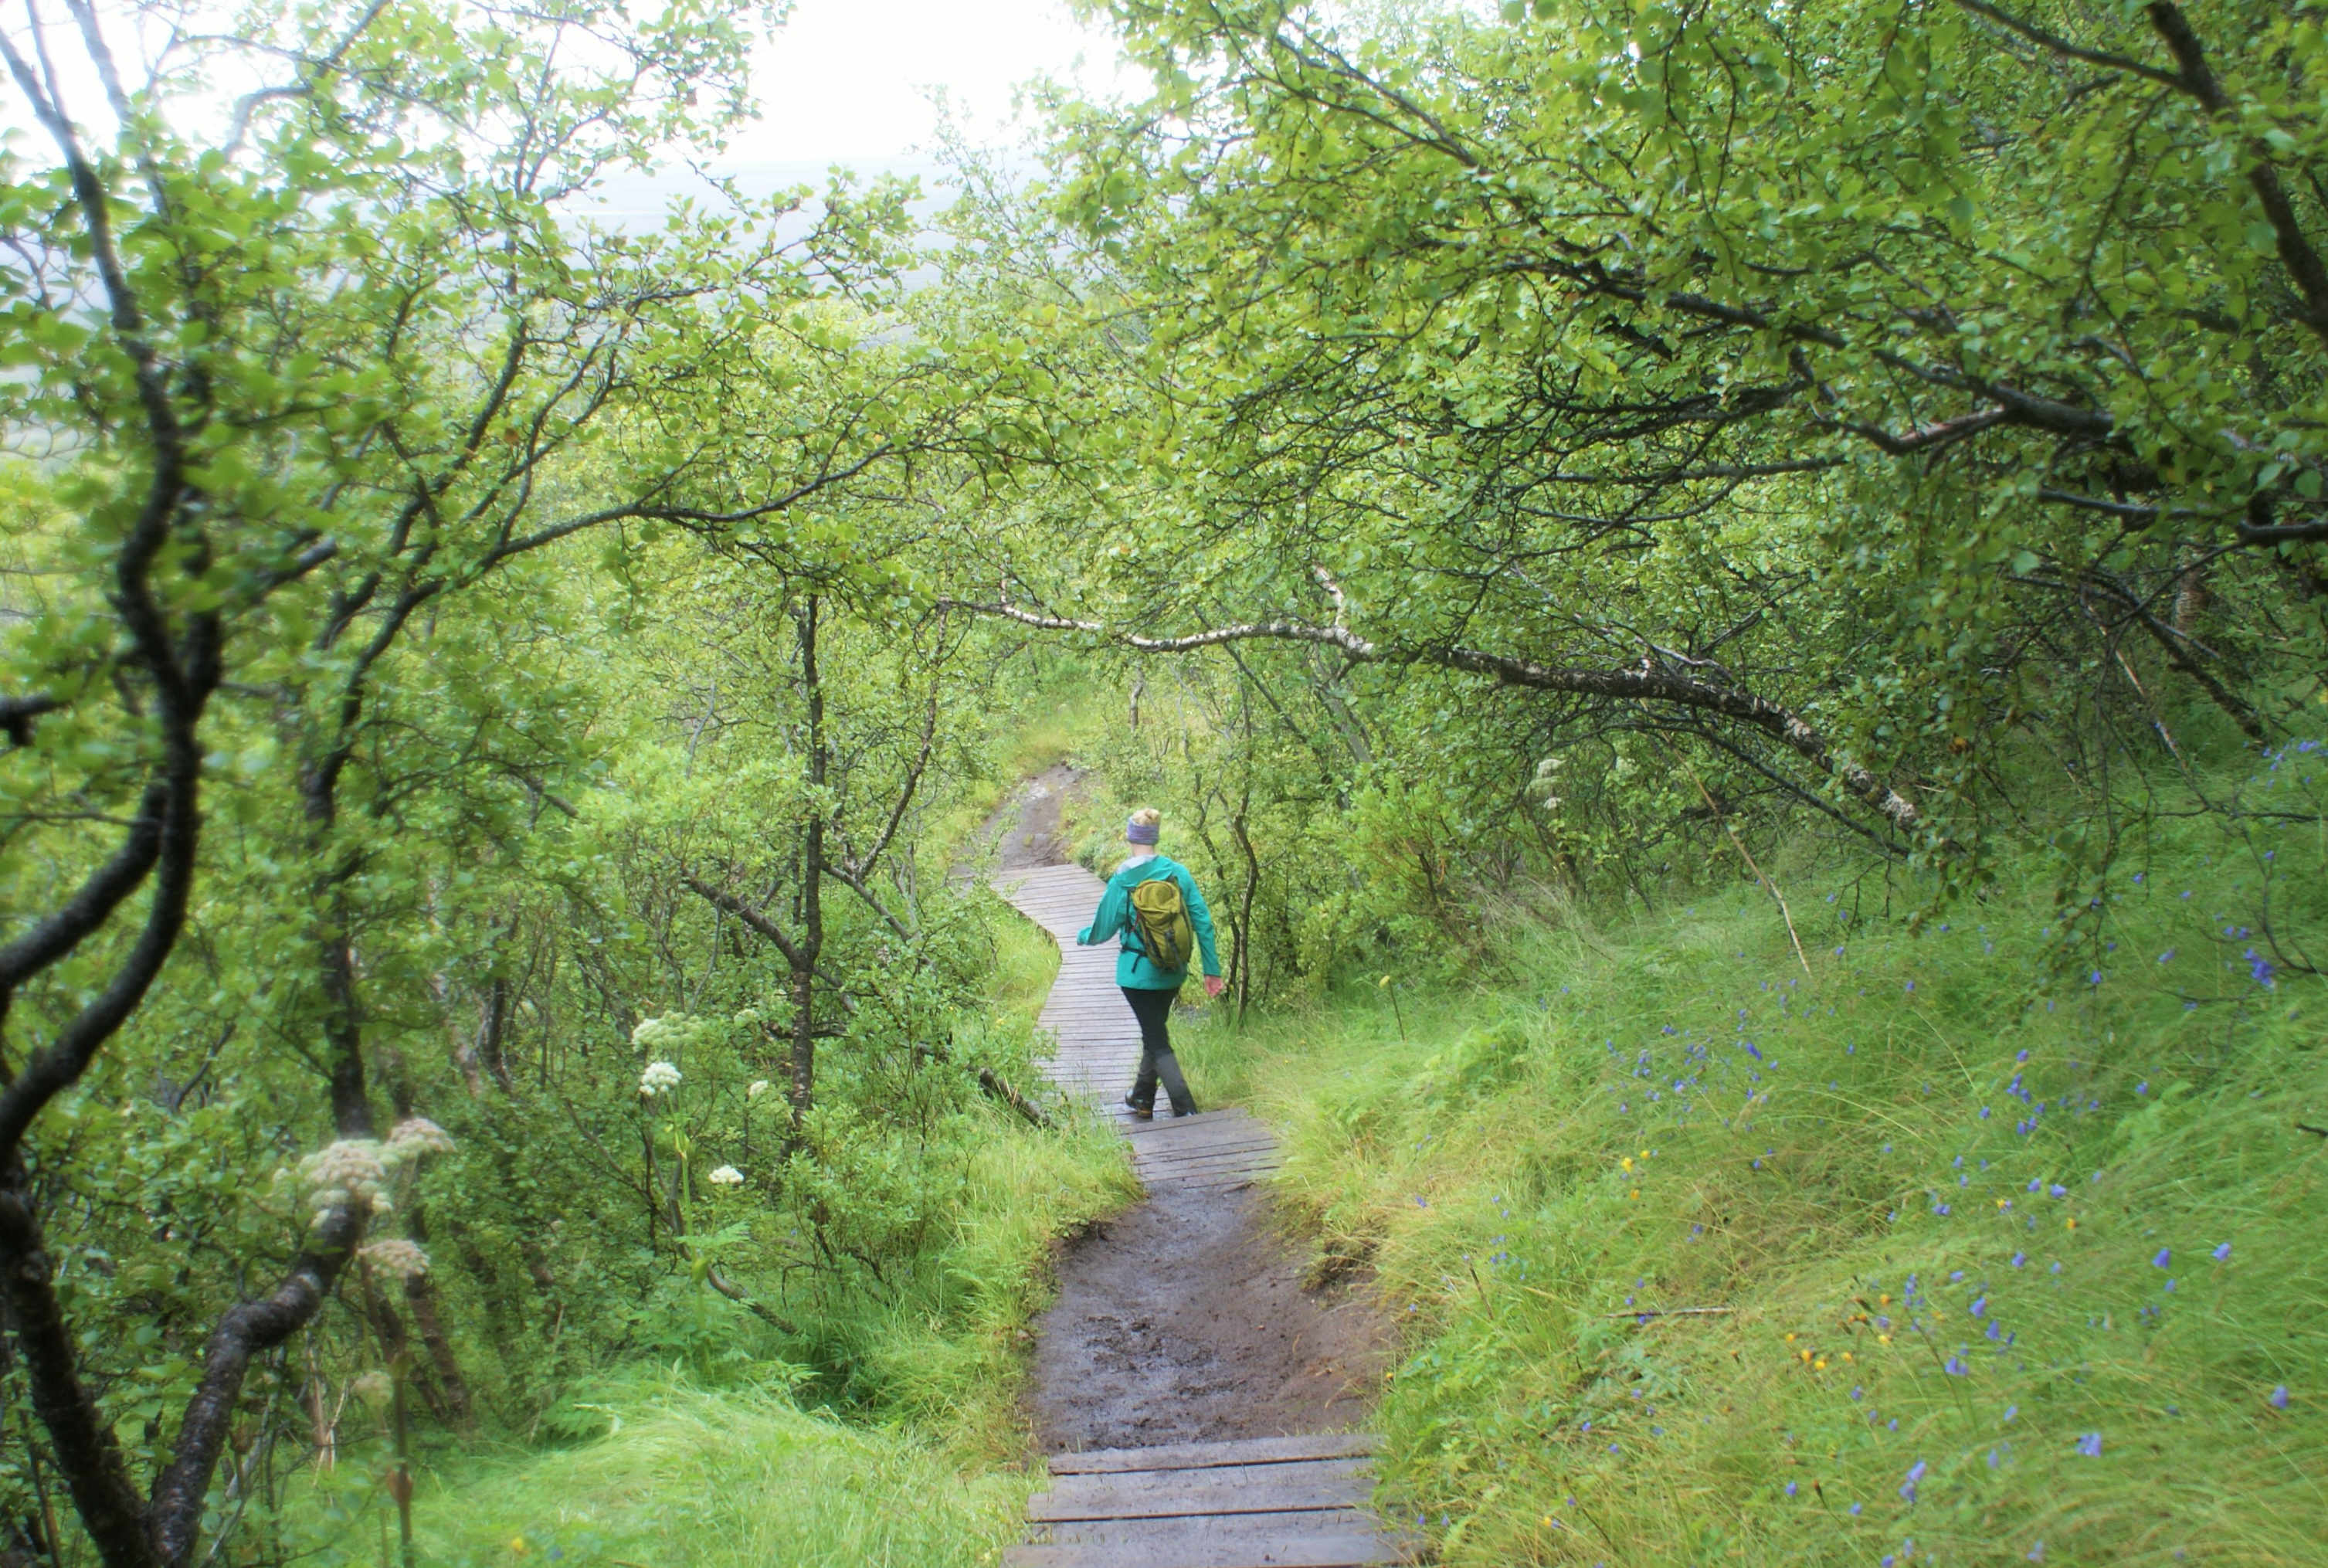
{"x":1228,"y":1452}
{"x":1350,"y":1546}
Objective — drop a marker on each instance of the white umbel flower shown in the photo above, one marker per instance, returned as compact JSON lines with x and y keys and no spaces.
{"x":759,"y":1087}
{"x":396,"y":1257}
{"x":350,"y":1171}
{"x":725,"y":1176}
{"x":659,"y":1078}
{"x":416,"y":1135}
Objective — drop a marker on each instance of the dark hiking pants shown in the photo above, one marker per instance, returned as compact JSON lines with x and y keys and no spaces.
{"x":1154,"y":1010}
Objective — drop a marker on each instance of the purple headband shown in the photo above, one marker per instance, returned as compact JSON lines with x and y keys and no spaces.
{"x":1140,"y":832}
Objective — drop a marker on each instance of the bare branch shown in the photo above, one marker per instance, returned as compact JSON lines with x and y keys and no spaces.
{"x":1638,"y":685}
{"x":2296,"y":252}
{"x":721,"y":898}
{"x":2062,"y":46}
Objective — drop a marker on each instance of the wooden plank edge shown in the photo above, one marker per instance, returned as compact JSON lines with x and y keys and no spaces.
{"x":1291,"y":1447}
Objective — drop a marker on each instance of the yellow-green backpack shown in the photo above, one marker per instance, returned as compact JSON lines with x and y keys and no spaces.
{"x":1163,"y":919}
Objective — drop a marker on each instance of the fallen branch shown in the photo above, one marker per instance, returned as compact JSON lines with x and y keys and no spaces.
{"x":993,"y":1083}
{"x":1739,"y":844}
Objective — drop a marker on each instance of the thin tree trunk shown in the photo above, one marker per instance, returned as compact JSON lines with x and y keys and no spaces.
{"x":811,"y":940}
{"x":428,"y":1321}
{"x":1244,"y":961}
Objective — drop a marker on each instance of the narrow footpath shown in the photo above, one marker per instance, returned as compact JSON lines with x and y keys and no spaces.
{"x":1193,"y":1396}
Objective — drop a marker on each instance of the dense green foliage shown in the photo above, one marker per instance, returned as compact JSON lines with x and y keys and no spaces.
{"x":497,"y":1047}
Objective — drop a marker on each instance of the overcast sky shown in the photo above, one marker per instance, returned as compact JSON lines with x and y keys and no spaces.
{"x":843,"y":80}
{"x":847,"y":80}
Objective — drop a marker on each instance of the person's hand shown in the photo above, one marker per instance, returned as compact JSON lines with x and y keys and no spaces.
{"x":1215,"y":985}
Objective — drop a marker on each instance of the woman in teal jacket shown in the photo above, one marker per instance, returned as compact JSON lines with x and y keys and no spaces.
{"x":1147,"y":985}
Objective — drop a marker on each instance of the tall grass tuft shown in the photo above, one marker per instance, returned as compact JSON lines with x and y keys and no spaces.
{"x":695,"y":1478}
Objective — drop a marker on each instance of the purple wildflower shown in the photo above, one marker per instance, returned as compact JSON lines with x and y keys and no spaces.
{"x":2090,"y":1445}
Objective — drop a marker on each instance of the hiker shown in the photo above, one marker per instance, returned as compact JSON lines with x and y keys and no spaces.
{"x":1152,"y":903}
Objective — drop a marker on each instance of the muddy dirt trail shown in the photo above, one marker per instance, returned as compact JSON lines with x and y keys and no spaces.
{"x":1184,"y":1320}
{"x":1023,"y":831}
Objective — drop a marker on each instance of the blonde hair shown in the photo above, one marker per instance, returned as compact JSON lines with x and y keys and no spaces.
{"x":1148,"y":817}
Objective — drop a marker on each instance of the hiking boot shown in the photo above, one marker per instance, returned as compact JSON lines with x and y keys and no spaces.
{"x":1139,"y":1113}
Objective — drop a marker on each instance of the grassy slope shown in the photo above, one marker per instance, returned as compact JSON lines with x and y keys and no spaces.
{"x":715,"y":1463}
{"x":1959,"y":1219}
{"x":733,"y":1479}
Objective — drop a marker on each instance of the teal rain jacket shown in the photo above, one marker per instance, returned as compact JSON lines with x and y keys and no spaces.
{"x":1133,"y":969}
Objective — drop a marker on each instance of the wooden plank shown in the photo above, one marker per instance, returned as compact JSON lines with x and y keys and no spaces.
{"x":1194,"y":1134}
{"x":1249,"y":1450}
{"x":1260,"y":1528}
{"x":1200,"y":1140}
{"x":1250,"y":1497}
{"x":1222,"y":1121}
{"x":1197,"y":1485}
{"x":1224,"y":1143}
{"x":1211,"y":1165}
{"x":1281,"y":1525}
{"x":1285,"y":1487}
{"x":1254,"y":1150}
{"x":1147,"y":1153}
{"x":1342,"y":1550}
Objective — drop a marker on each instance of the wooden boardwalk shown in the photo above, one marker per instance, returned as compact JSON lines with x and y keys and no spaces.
{"x":1271,"y":1502}
{"x":1263,"y":1502}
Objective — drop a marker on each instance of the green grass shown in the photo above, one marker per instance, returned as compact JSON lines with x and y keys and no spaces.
{"x":1528,"y":1166}
{"x":944,"y":1355}
{"x":911,"y":1447}
{"x":696,"y":1477}
{"x":1026,"y":962}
